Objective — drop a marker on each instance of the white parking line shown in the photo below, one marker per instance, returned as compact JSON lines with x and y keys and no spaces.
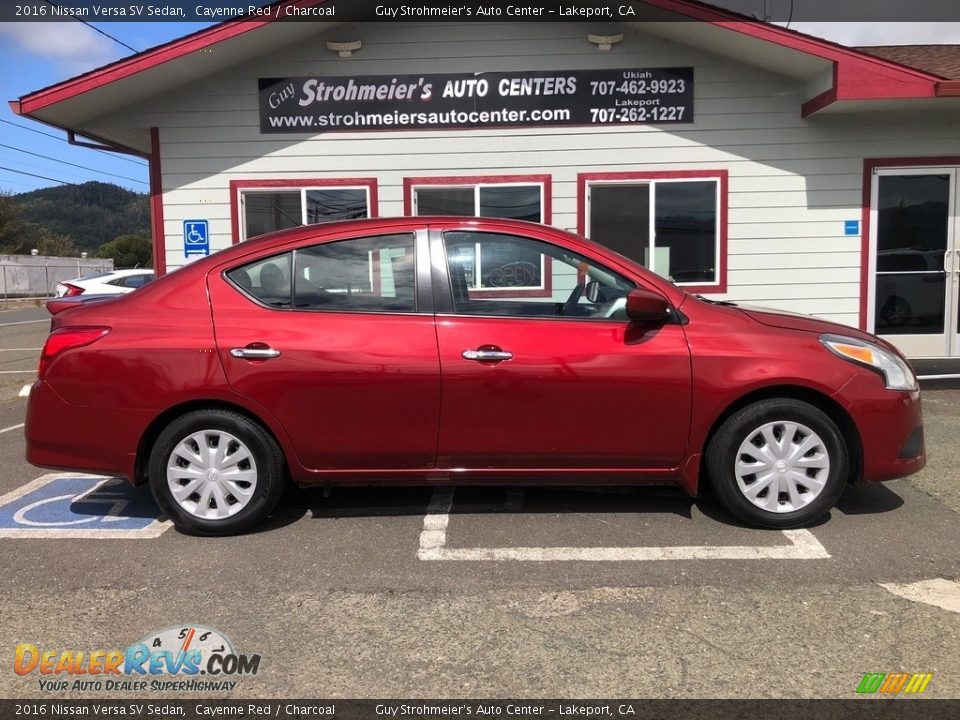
{"x":25,"y":322}
{"x":32,"y":371}
{"x":433,"y":539}
{"x":939,"y":592}
{"x":12,"y":427}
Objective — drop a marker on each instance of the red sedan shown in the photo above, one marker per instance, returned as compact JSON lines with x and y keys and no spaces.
{"x":459,"y":350}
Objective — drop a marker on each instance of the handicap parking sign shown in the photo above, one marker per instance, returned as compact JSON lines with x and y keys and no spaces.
{"x":79,"y":506}
{"x":196,"y":237}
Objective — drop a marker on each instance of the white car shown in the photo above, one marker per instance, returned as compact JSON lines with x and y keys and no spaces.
{"x":111,"y":283}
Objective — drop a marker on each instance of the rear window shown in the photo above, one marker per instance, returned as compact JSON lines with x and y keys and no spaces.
{"x":267,"y":280}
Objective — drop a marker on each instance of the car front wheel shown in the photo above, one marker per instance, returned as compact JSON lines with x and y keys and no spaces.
{"x":777,"y":463}
{"x":216,"y":472}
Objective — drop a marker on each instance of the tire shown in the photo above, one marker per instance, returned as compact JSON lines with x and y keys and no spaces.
{"x":896,"y":311}
{"x":208,"y":488}
{"x":792,"y":448}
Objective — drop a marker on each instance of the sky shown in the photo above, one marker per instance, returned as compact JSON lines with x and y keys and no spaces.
{"x":34,"y":55}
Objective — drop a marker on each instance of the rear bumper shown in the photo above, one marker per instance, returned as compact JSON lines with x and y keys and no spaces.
{"x":78,"y":438}
{"x":890,"y":423}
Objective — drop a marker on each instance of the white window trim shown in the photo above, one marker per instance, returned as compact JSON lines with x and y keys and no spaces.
{"x":476,"y":213}
{"x":302,"y":189}
{"x":651,"y":248}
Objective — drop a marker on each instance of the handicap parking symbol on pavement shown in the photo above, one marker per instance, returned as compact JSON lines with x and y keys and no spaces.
{"x":61,"y":505}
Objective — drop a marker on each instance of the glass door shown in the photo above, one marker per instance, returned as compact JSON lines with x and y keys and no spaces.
{"x":914,"y":260}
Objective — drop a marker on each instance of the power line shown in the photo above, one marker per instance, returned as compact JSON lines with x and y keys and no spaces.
{"x":63,"y":182}
{"x":138,"y":163}
{"x":93,"y":27}
{"x":82,"y":167}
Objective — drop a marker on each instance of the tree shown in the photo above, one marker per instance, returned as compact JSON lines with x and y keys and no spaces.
{"x":128,"y":251}
{"x":19,"y":237}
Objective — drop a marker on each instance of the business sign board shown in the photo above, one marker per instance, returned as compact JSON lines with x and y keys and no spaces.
{"x":476,"y":100}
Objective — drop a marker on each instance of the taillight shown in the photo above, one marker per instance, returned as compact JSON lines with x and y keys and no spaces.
{"x":65,"y":339}
{"x":72,"y":290}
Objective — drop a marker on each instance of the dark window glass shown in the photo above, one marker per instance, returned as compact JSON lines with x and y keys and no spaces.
{"x":266,"y":280}
{"x":268,"y":211}
{"x":445,"y":201}
{"x":374,"y":274}
{"x":520,"y":277}
{"x":686,"y":231}
{"x":620,"y":219}
{"x":913,"y":213}
{"x":516,"y":202}
{"x":135,"y":281}
{"x":912,"y":227}
{"x":328,"y":204}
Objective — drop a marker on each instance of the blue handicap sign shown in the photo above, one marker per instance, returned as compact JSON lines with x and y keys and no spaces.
{"x":851,"y":227}
{"x":68,"y":505}
{"x":196,"y":237}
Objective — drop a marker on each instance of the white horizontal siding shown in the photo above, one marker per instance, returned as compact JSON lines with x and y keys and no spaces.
{"x":792,"y":182}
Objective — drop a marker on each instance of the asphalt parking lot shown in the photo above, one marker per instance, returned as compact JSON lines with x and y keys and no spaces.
{"x":492,"y":592}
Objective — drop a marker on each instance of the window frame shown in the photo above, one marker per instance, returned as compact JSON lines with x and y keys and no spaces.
{"x":447,"y":305}
{"x":420,"y":307}
{"x":239,"y":187}
{"x":412,"y":184}
{"x":585,"y":181}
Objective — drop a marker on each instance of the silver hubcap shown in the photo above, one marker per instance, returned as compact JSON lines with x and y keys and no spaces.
{"x":782,"y":466}
{"x":211,"y":474}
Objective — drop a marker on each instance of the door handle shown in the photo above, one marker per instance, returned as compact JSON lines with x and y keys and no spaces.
{"x":486,"y":355}
{"x":254,"y":353}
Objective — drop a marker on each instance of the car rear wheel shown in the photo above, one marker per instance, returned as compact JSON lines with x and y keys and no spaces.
{"x":216,"y":472}
{"x":777,"y":463}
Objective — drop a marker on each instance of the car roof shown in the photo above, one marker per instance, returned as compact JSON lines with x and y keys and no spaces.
{"x":342,"y":229}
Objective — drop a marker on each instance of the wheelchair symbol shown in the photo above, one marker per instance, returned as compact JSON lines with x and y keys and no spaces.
{"x":79,"y":506}
{"x":196,"y":237}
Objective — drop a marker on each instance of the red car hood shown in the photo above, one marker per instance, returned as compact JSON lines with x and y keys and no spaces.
{"x":796,"y":321}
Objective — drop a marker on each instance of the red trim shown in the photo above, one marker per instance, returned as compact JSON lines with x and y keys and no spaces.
{"x":149,"y":59}
{"x":156,"y":205}
{"x":948,"y":88}
{"x":295,"y":183}
{"x":723,"y":176}
{"x":546,"y":180}
{"x":819,"y":102}
{"x":869,"y":165}
{"x":859,"y":76}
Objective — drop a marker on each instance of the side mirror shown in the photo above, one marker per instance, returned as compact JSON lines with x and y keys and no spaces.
{"x":647,"y":307}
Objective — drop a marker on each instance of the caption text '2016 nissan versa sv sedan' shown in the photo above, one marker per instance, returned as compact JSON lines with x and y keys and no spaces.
{"x":459,"y":350}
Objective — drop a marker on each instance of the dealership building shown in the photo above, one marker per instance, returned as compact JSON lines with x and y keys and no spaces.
{"x":744,"y":161}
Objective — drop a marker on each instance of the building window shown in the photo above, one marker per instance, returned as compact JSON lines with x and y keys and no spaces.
{"x":497,"y":269}
{"x":262,"y":206}
{"x":672,"y":223}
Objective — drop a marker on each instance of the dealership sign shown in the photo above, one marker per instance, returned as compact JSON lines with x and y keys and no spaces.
{"x":476,"y":100}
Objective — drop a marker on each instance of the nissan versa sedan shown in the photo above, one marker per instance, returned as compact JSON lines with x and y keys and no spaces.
{"x":436,"y":350}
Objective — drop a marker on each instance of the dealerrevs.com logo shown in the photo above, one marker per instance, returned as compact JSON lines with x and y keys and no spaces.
{"x":188,"y":658}
{"x":894,"y":683}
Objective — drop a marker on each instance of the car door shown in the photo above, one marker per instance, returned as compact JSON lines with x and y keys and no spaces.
{"x":541,"y":368}
{"x":334,"y":340}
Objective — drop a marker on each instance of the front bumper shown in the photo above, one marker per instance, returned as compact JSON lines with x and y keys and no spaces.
{"x":890,"y":424}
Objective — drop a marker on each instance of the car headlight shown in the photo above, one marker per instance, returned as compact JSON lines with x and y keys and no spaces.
{"x":896,"y":372}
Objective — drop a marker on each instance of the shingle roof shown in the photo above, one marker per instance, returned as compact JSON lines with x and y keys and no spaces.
{"x":942,"y":60}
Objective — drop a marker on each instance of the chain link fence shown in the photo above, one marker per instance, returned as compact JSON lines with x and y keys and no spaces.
{"x":36,"y":276}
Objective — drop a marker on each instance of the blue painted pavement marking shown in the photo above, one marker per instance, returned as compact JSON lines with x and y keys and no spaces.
{"x":79,"y":506}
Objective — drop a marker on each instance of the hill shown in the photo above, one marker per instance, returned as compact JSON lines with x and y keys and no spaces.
{"x":89,"y":215}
